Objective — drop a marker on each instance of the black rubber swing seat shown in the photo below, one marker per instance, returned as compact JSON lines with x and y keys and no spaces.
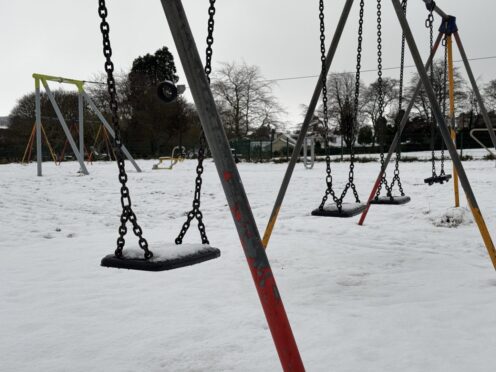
{"x":348,"y":210}
{"x":437,"y":179}
{"x":395,"y":200}
{"x":181,"y":256}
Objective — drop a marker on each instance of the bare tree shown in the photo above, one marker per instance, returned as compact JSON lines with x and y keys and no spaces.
{"x":245,"y":99}
{"x":422,"y":104}
{"x":490,"y":94}
{"x":371,"y":102}
{"x":340,"y":94}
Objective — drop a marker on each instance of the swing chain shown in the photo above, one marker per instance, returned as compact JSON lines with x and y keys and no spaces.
{"x":381,"y":122}
{"x":350,"y":131}
{"x":329,"y":190}
{"x":445,"y":95}
{"x":402,"y":63}
{"x":429,"y":23}
{"x":195,"y":211}
{"x":127,"y":211}
{"x":401,"y":114}
{"x":356,"y":104}
{"x":210,"y":39}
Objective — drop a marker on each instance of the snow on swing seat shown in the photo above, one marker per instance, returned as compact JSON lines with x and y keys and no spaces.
{"x":348,"y":210}
{"x":166,"y":256}
{"x":395,"y":200}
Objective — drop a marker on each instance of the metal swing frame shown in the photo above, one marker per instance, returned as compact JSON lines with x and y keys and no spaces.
{"x":253,"y":245}
{"x":40,"y":79}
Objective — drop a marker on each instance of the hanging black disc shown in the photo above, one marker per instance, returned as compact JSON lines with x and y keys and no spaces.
{"x":167,"y":91}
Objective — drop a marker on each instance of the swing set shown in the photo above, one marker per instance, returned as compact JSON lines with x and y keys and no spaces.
{"x":104,"y":131}
{"x":213,"y":132}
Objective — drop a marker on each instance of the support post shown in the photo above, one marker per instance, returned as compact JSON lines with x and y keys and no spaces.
{"x":107,"y":126}
{"x":397,"y":137}
{"x":475,"y":88}
{"x":451,"y":78}
{"x":81,"y":122}
{"x":306,"y":123}
{"x":472,"y":201}
{"x":39,"y":154}
{"x":233,"y":188}
{"x":67,"y":132}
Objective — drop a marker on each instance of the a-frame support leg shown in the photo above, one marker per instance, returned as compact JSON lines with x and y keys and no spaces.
{"x":39,"y":155}
{"x":472,"y":201}
{"x":233,"y":188}
{"x":451,"y":79}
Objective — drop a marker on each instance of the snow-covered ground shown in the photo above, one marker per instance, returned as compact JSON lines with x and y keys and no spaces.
{"x":403,"y":293}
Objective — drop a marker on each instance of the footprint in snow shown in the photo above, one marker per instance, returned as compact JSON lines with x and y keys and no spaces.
{"x":350,"y":282}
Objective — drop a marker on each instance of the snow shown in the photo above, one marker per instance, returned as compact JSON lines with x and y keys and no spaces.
{"x":398,"y":294}
{"x":164,"y":250}
{"x":453,"y":217}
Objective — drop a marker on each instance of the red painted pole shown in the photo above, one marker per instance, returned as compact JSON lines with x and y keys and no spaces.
{"x":244,"y":220}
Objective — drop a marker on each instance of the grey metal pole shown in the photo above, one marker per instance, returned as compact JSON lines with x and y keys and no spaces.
{"x":305,"y":152}
{"x":39,"y":154}
{"x":107,"y":126}
{"x":445,"y":133}
{"x":81,"y":123}
{"x":306,"y":123}
{"x":233,"y":187}
{"x":65,"y":128}
{"x":399,"y":132}
{"x":476,"y":90}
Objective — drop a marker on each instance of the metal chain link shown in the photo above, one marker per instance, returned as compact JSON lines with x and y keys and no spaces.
{"x":329,"y":189}
{"x":381,"y":121}
{"x":356,"y":102}
{"x":127,"y":211}
{"x":429,"y":23}
{"x":401,"y":113}
{"x":195,"y":211}
{"x":445,"y":97}
{"x":350,"y":130}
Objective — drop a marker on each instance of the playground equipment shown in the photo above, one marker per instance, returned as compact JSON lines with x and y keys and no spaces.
{"x":447,"y":30}
{"x":95,"y":149}
{"x":83,"y":97}
{"x":381,"y":122}
{"x":174,"y":158}
{"x":26,"y":157}
{"x":474,"y":137}
{"x":442,"y":176}
{"x":340,"y":209}
{"x":146,"y":260}
{"x":309,"y":144}
{"x":253,"y":246}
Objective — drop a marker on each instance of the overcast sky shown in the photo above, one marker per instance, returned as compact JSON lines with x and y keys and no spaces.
{"x":62,"y":38}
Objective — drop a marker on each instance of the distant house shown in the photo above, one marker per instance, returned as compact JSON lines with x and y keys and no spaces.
{"x":283,"y":141}
{"x":4,"y":122}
